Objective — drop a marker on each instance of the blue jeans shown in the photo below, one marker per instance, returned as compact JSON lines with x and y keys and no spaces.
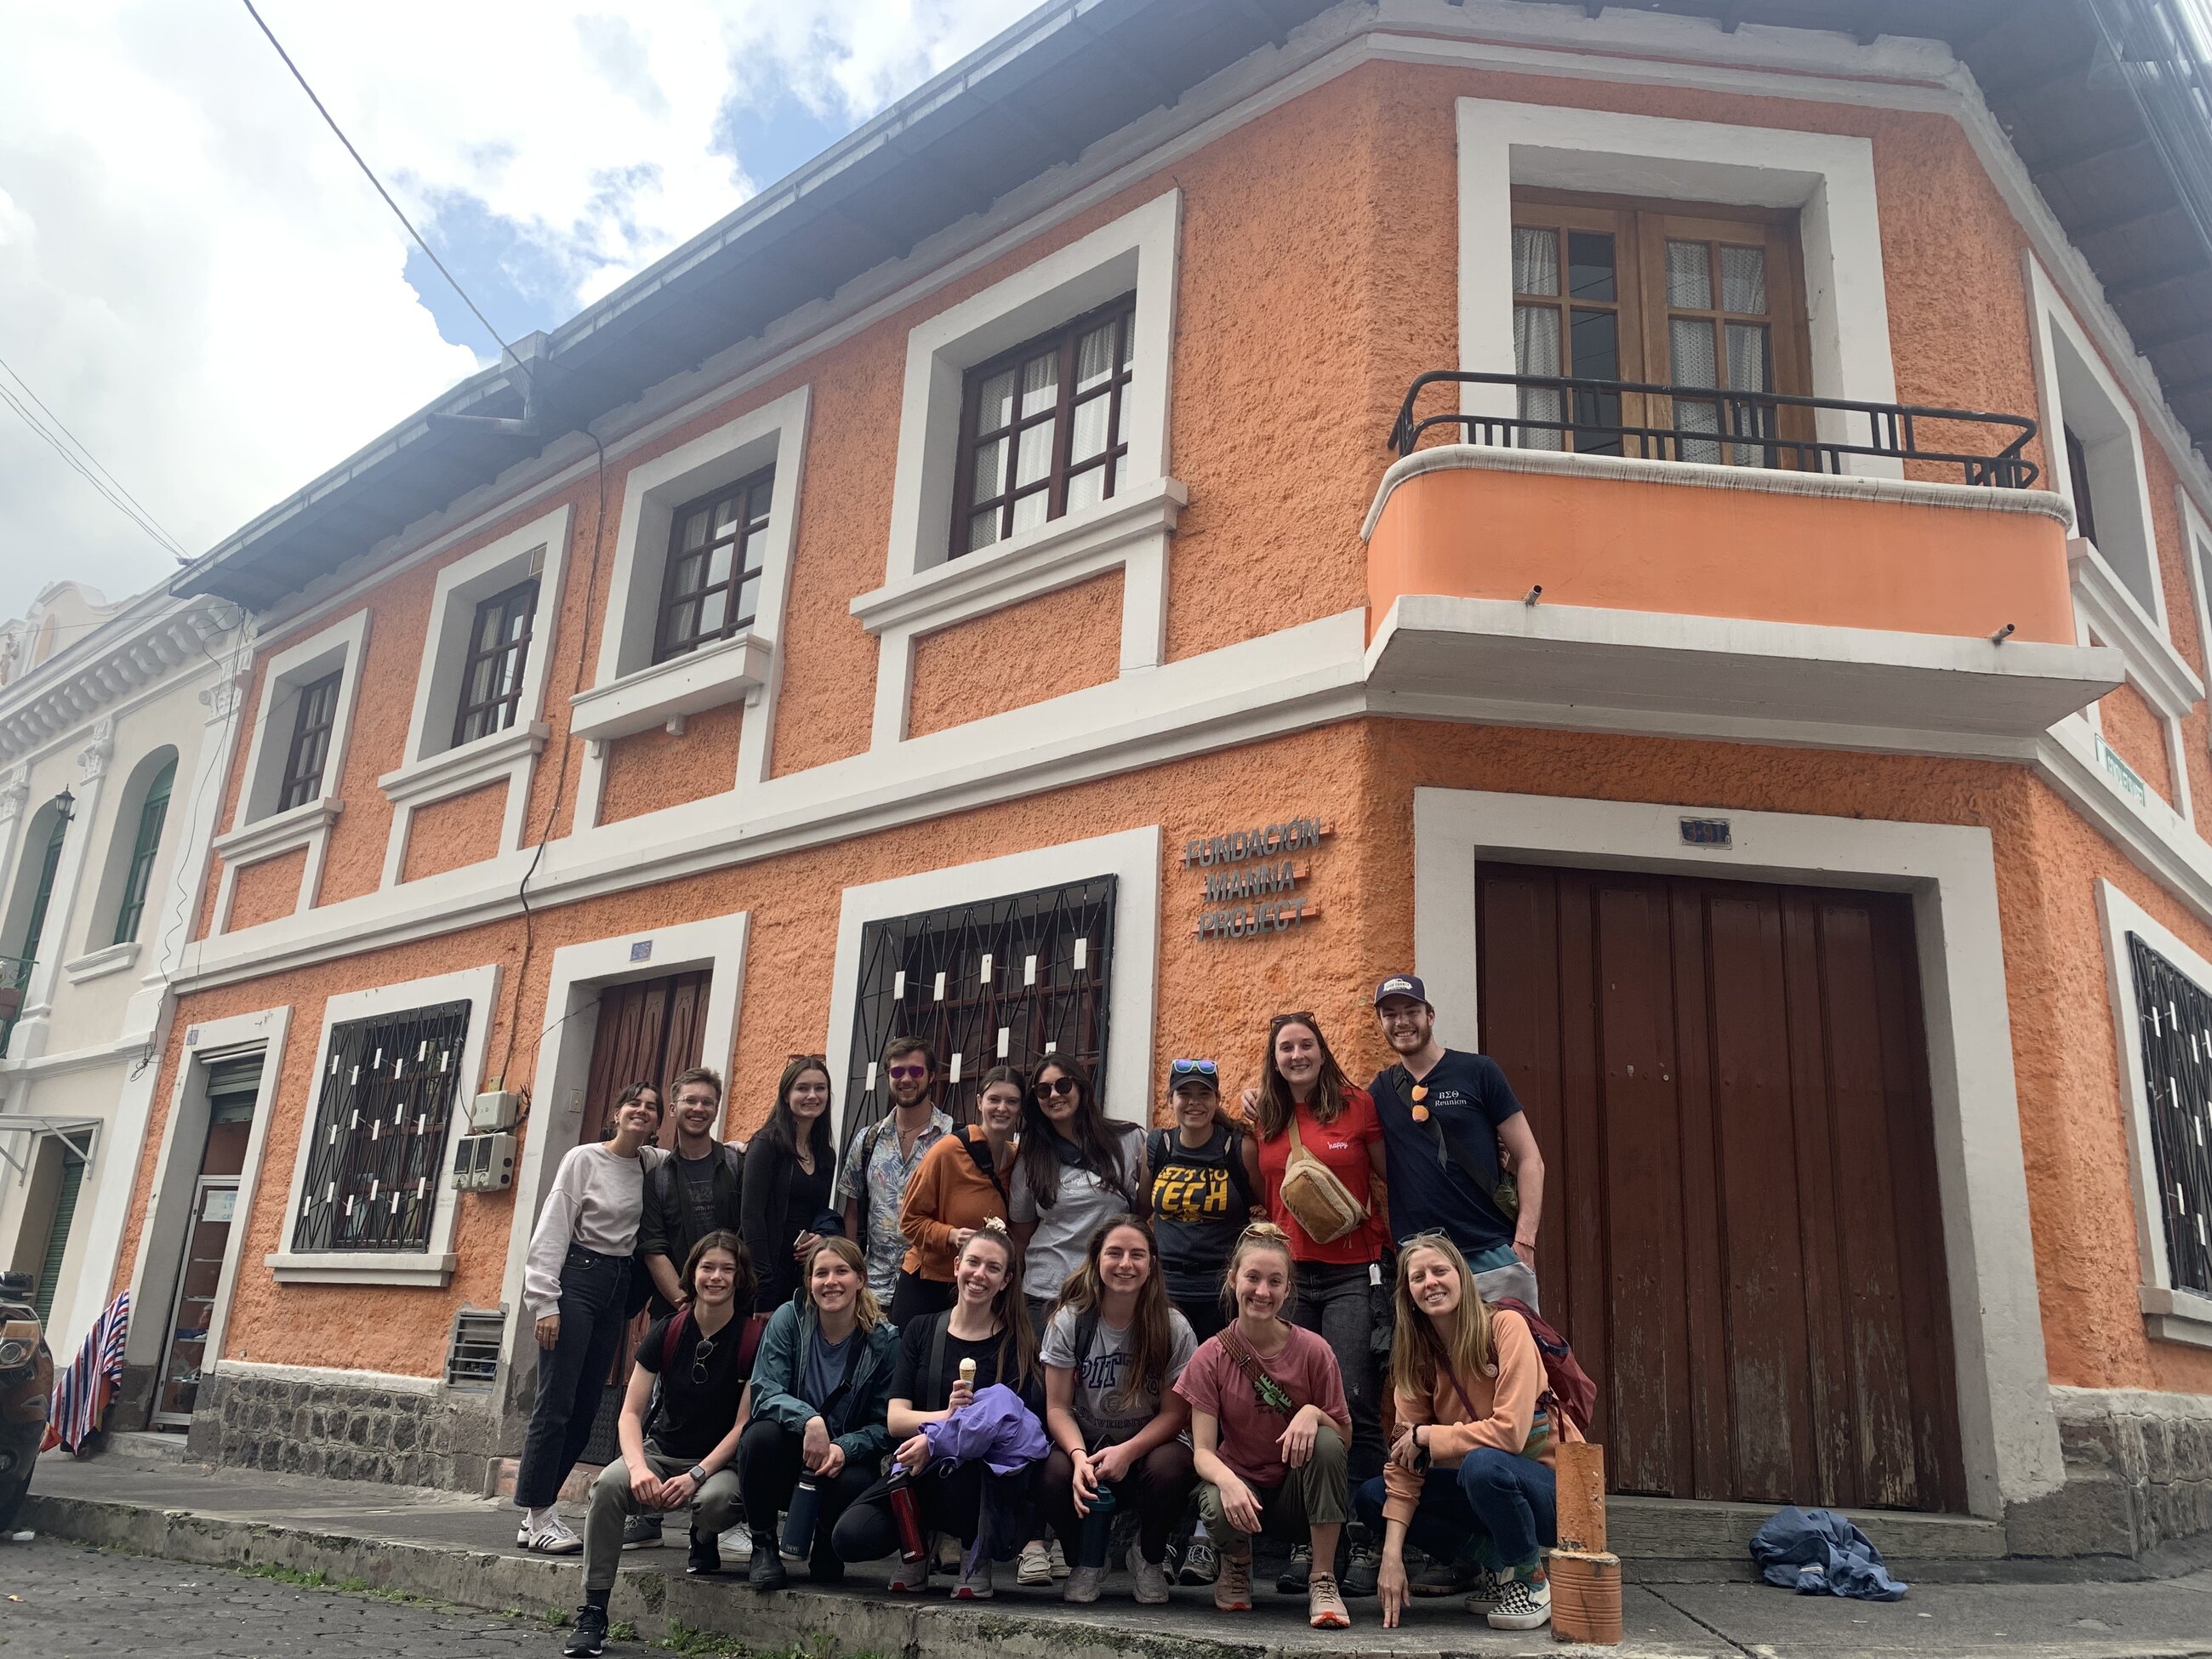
{"x":1502,"y":1504}
{"x":594,"y":1289}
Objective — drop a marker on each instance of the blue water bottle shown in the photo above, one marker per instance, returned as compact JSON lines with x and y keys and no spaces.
{"x":797,"y":1541}
{"x":1097,"y":1529}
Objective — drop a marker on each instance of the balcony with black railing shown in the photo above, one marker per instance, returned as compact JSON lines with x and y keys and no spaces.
{"x":14,"y":980}
{"x":1806,"y":559}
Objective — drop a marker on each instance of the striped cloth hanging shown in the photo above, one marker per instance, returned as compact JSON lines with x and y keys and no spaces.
{"x":83,"y":1391}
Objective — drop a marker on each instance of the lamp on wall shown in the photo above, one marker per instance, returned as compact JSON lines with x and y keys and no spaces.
{"x":67,"y":802}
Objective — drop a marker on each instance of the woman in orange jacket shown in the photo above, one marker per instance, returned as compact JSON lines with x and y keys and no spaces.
{"x":960,"y":1184}
{"x":1473,"y":1461}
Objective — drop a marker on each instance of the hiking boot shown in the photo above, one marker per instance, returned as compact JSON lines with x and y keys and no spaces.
{"x":766,"y":1571}
{"x":974,"y":1583}
{"x":588,"y":1635}
{"x":1452,"y":1576}
{"x":1083,"y":1584}
{"x":1325,"y":1608}
{"x":1151,"y":1578}
{"x":642,"y":1532}
{"x":1035,"y":1566}
{"x":1364,"y":1567}
{"x":1524,"y":1604}
{"x":1233,"y":1586}
{"x":706,"y":1556}
{"x":1292,"y":1581}
{"x":554,"y":1538}
{"x":1484,"y":1589}
{"x":1200,"y":1564}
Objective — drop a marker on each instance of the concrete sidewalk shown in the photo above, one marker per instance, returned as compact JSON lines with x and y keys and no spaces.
{"x":461,"y":1550}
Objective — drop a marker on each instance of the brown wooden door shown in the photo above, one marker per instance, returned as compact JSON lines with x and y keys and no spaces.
{"x":648,"y":1030}
{"x":1741,"y":1236}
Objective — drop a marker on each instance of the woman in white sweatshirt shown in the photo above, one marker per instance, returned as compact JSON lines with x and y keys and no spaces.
{"x":575,"y":1284}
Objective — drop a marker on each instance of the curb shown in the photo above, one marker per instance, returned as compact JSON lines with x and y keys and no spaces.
{"x":865,"y":1627}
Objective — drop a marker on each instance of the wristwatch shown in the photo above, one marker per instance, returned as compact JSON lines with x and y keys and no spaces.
{"x":698,"y":1472}
{"x":1420,"y":1449}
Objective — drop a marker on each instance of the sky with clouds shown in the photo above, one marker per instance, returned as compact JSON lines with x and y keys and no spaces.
{"x":196,"y":281}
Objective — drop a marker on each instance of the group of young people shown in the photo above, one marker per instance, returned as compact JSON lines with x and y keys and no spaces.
{"x":999,"y":1338}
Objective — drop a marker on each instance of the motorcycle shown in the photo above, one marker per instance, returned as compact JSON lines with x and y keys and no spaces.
{"x":27,"y":1387}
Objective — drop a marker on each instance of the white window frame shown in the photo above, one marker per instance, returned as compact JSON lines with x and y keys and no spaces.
{"x":2170,"y":1314}
{"x":258,"y":832}
{"x":632,"y":693}
{"x":925,"y":589}
{"x":1131,"y":855}
{"x":1827,"y":177}
{"x":434,"y":1265}
{"x":436,"y":769}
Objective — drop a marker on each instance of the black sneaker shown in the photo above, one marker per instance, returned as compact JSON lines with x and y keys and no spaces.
{"x":588,"y":1635}
{"x":1447,"y":1576}
{"x":825,"y":1567}
{"x":1292,"y":1581}
{"x":705,"y":1557}
{"x":1363,"y":1569}
{"x":642,"y":1532}
{"x":766,"y":1571}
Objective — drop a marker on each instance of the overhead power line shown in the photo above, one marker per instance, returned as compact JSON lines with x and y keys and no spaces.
{"x":82,"y":461}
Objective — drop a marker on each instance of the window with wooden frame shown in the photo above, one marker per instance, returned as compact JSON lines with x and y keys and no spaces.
{"x":1041,"y":429}
{"x":715,"y":548}
{"x":313,"y":722}
{"x":1679,"y":294}
{"x":153,"y":813}
{"x":499,"y":648}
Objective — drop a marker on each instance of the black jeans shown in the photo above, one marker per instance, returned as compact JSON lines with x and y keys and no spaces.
{"x":769,"y":1469}
{"x":1333,"y":1304}
{"x":1158,"y":1487}
{"x":916,"y":1297}
{"x":949,"y":1500}
{"x":595,"y":1290}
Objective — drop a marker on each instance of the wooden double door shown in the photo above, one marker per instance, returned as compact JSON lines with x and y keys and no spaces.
{"x":1742,"y":1234}
{"x":648,"y":1030}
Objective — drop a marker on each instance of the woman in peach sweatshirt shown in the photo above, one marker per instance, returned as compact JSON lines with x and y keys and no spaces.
{"x":1472,"y":1464}
{"x":960,"y":1184}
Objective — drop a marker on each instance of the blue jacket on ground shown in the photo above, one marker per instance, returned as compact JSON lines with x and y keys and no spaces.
{"x":1818,"y":1552}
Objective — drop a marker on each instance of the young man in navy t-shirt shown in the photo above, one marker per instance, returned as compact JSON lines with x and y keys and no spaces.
{"x":1444,"y":1113}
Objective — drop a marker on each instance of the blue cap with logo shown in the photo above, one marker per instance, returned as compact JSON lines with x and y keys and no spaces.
{"x":1401,"y":985}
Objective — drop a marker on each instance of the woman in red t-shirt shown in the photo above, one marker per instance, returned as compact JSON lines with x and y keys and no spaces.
{"x":1301,"y":1083}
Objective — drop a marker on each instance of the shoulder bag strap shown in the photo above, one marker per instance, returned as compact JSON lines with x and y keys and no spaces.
{"x":1241,"y":1355}
{"x":937,"y":1384}
{"x":980,"y":1153}
{"x":671,"y":1335}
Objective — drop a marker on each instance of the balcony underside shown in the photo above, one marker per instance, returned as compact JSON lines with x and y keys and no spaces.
{"x":1584,"y":667}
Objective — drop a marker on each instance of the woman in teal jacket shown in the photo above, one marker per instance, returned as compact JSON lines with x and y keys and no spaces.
{"x":821,"y":1382}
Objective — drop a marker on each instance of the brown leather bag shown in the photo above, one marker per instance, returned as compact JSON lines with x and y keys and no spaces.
{"x":1323,"y":1205}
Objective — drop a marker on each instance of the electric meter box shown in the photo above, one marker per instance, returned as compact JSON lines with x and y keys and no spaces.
{"x":495,"y":1108}
{"x":484,"y":1163}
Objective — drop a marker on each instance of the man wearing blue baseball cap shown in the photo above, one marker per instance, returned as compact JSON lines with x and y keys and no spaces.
{"x":1445,"y":1114}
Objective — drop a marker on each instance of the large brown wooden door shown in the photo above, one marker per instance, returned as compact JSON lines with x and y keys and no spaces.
{"x":1741,"y":1235}
{"x":648,"y":1030}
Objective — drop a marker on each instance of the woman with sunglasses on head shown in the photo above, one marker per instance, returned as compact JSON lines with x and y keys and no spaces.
{"x":790,"y":1167}
{"x":697,"y":1358}
{"x":575,"y":1285}
{"x":959,"y":1186}
{"x":1477,"y":1441}
{"x":1320,"y":1142}
{"x":944,"y":1361}
{"x":1113,"y":1353}
{"x":819,"y":1387}
{"x":1204,"y":1186}
{"x":1268,"y":1428}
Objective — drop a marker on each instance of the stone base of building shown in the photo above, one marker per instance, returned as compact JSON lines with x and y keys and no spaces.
{"x":296,"y":1421}
{"x":2138,"y":1474}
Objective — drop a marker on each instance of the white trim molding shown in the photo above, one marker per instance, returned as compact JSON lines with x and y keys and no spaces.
{"x":1132,"y":856}
{"x":1828,"y":177}
{"x":307,"y":825}
{"x":2008,"y":1433}
{"x":925,"y":586}
{"x":2173,"y":1313}
{"x":434,"y":1263}
{"x":629,"y":692}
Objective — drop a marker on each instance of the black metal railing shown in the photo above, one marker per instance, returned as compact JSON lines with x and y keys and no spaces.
{"x":1708,"y":424}
{"x":14,"y":982}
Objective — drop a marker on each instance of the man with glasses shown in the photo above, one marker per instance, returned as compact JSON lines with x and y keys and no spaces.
{"x":883,"y":1157}
{"x":1445,"y":1115}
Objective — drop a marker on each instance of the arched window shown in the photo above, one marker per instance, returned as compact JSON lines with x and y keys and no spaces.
{"x":34,"y":885}
{"x":146,"y":842}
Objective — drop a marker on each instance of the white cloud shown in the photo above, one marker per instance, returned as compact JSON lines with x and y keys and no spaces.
{"x":197,"y":280}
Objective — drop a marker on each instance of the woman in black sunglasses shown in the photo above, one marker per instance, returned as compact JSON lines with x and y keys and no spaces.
{"x":698,"y":1357}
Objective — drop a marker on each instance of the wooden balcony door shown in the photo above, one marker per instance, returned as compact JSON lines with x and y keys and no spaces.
{"x":648,"y":1030}
{"x":1742,"y":1234}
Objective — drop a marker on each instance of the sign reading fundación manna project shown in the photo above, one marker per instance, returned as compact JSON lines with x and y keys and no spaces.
{"x":1251,"y":880}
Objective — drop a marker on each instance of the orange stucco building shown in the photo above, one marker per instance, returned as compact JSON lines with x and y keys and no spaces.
{"x":901,"y":608}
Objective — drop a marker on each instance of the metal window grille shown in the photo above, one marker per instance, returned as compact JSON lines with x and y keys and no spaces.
{"x":473,"y":1351}
{"x":2176,"y":1017}
{"x":378,"y":1158}
{"x":492,"y":675}
{"x":317,"y":714}
{"x":1001,"y":980}
{"x":152,"y":815}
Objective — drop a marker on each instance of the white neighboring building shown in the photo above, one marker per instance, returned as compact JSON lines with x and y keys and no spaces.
{"x":116,"y":722}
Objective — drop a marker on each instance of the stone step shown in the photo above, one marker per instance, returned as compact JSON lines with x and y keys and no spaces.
{"x":148,"y":1446}
{"x":1656,"y":1530}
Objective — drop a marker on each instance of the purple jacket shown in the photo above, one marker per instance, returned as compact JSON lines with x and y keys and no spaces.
{"x":995,"y":1427}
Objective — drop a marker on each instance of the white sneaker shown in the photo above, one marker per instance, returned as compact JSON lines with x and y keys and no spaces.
{"x":554,"y":1538}
{"x":1522,"y":1605}
{"x":1151,"y":1578}
{"x":974,"y":1586}
{"x":1035,"y":1565}
{"x":737,"y":1544}
{"x":1083,"y":1584}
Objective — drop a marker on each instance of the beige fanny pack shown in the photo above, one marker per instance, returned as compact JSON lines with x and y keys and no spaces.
{"x":1323,"y":1205}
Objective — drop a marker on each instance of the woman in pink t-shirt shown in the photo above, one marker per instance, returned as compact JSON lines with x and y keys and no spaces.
{"x":1268,"y":1429}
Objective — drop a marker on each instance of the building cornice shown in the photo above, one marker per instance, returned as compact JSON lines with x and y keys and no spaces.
{"x":76,"y":687}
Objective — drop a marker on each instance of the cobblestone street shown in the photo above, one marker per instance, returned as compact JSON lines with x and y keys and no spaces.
{"x":64,"y":1601}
